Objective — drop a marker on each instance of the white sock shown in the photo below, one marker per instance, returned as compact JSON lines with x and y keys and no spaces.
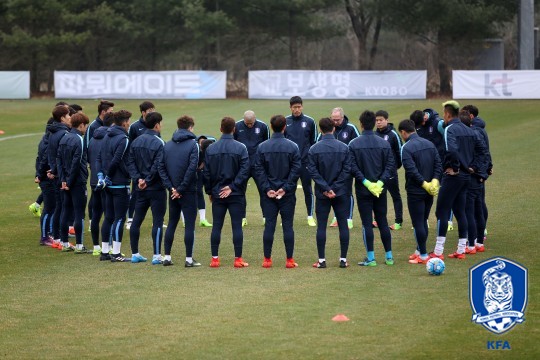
{"x":321,"y":260}
{"x":416,"y":252}
{"x":167,"y":257}
{"x":129,"y":220}
{"x":461,"y":246}
{"x":156,"y":256}
{"x":439,"y":245}
{"x":202,"y":214}
{"x":79,"y":246}
{"x":215,"y":257}
{"x":343,"y":259}
{"x":310,"y":217}
{"x":97,"y":247}
{"x":189,"y":259}
{"x":116,"y":247}
{"x":37,"y":205}
{"x":137,"y":254}
{"x":105,"y":248}
{"x":66,"y":244}
{"x":57,"y":240}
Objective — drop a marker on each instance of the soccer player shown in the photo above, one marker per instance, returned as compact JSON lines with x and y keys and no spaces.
{"x":204,"y":141}
{"x":226,"y":170}
{"x":474,"y":208}
{"x":277,"y":168}
{"x":57,"y":130}
{"x":104,"y":107}
{"x":461,"y":144}
{"x":372,"y":165}
{"x":329,"y":167}
{"x":251,"y":132}
{"x":179,"y":175}
{"x":144,"y":162}
{"x":135,"y":130}
{"x":73,"y":173}
{"x":422,"y":174}
{"x":95,"y":145}
{"x":344,"y":132}
{"x":113,"y":175}
{"x":302,"y":131}
{"x":386,"y":131}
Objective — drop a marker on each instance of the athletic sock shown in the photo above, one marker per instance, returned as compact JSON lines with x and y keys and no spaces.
{"x":66,"y":244}
{"x":79,"y":246}
{"x":116,"y":247}
{"x":202,"y":214}
{"x":167,"y":257}
{"x":215,"y":257}
{"x":97,"y":247}
{"x":439,"y":245}
{"x":424,"y":256}
{"x":189,"y":259}
{"x":461,"y":246}
{"x":137,"y":254}
{"x":105,"y":247}
{"x":322,"y":260}
{"x":416,"y":252}
{"x":371,"y":255}
{"x":343,"y":259}
{"x":389,"y":255}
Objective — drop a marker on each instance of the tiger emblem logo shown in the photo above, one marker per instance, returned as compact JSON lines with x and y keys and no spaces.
{"x":498,"y":298}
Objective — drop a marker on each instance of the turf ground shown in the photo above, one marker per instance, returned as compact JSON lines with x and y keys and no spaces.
{"x":57,"y":305}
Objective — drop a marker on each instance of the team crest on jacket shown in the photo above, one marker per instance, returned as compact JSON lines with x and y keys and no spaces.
{"x":257,"y":130}
{"x":345,"y":135}
{"x":304,"y":124}
{"x":386,"y":137}
{"x":498,"y":294}
{"x":431,"y":129}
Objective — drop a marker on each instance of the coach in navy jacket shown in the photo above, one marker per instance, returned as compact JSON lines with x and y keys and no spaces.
{"x":113,"y":157}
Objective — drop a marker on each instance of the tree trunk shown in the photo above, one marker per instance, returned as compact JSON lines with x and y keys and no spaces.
{"x":374,"y":43}
{"x":444,"y":69}
{"x":293,"y":41}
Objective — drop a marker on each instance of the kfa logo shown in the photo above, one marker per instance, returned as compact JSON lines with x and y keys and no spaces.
{"x":257,"y":130}
{"x":386,"y":137}
{"x":491,"y":86}
{"x":345,"y":135}
{"x":304,"y":124}
{"x":498,"y":294}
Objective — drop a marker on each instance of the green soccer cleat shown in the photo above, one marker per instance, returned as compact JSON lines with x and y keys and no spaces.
{"x":35,"y":209}
{"x":389,"y":261}
{"x":194,"y":263}
{"x":83,"y":250}
{"x":204,"y":223}
{"x":350,"y":223}
{"x":311,"y":221}
{"x":367,"y":262}
{"x":244,"y":222}
{"x":96,"y":252}
{"x":396,"y":226}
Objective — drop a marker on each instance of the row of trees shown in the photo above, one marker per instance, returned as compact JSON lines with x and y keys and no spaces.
{"x":241,"y":35}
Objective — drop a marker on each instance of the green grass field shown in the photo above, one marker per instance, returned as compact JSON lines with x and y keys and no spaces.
{"x":58,"y":305}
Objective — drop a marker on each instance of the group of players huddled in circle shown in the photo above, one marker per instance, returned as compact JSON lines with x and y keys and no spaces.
{"x":132,"y":169}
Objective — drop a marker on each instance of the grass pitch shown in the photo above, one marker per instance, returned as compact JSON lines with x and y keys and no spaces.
{"x":56,"y":305}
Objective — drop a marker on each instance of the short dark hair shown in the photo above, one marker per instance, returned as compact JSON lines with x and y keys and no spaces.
{"x":295,"y":100}
{"x":76,"y":107}
{"x":108,"y":119}
{"x":472,"y":109}
{"x":451,"y":110}
{"x":121,"y":117}
{"x":326,"y":125}
{"x":152,"y":119}
{"x":59,"y":112}
{"x":78,"y":119}
{"x":205,"y":144}
{"x":61,"y":103}
{"x":418,"y":117}
{"x":367,"y":119}
{"x":227,"y":125}
{"x":145,"y":105}
{"x":72,"y":111}
{"x":185,"y":122}
{"x":407,"y":125}
{"x":465,"y":117}
{"x":382,"y":113}
{"x":278,"y":122}
{"x":104,"y":105}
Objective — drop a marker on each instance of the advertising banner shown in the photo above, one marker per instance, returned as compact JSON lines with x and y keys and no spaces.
{"x":14,"y":84}
{"x":140,"y":84}
{"x":282,"y":84}
{"x":499,"y":84}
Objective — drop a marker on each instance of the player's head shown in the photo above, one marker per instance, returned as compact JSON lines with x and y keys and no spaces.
{"x":104,"y":107}
{"x":337,"y":115}
{"x":146,"y":107}
{"x":76,"y":107}
{"x":278,"y":123}
{"x":296,"y":105}
{"x":122,"y":118}
{"x":108,"y":119}
{"x":60,"y":113}
{"x":367,"y":120}
{"x":417,"y":116}
{"x":249,"y":118}
{"x":61,"y":103}
{"x":472,"y":109}
{"x":451,"y":110}
{"x":406,"y":128}
{"x":465,"y":117}
{"x":185,"y":122}
{"x":153,"y":119}
{"x":381,"y":119}
{"x":227,"y":125}
{"x":80,"y":121}
{"x":326,"y":125}
{"x":205,"y":144}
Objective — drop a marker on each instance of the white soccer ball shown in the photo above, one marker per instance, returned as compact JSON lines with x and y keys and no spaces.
{"x":435,"y":266}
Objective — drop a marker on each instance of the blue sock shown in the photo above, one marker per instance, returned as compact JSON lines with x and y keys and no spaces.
{"x":371,"y":255}
{"x":389,"y":255}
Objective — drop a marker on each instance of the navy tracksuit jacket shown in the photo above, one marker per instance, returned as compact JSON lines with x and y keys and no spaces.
{"x":277,"y":164}
{"x":389,"y":134}
{"x":96,"y":124}
{"x":251,"y":137}
{"x":303,"y":132}
{"x":345,"y":132}
{"x":145,"y":159}
{"x":461,"y":143}
{"x":112,"y":159}
{"x":430,"y":131}
{"x":56,"y":133}
{"x":226,"y":164}
{"x":421,"y":163}
{"x":329,"y":166}
{"x":180,"y":161}
{"x":94,"y":147}
{"x":136,"y":129}
{"x":72,"y":163}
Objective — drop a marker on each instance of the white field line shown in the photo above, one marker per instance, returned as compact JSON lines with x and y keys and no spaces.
{"x":18,"y":136}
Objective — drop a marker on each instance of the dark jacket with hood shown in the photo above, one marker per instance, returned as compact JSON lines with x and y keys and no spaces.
{"x":112,"y":159}
{"x":145,"y":158}
{"x":94,"y":147}
{"x":430,"y":131}
{"x":390,"y":134}
{"x":57,"y":131}
{"x":71,"y":158}
{"x":180,"y":161}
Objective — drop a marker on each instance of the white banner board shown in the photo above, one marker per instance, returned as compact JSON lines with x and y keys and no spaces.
{"x":140,"y":84}
{"x":499,"y":84}
{"x":14,"y":84}
{"x":283,"y":84}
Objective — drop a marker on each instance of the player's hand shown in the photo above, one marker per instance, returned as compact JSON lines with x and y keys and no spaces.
{"x":64,"y":186}
{"x":225,"y":192}
{"x":142,"y":184}
{"x":175,"y":194}
{"x":107,"y":181}
{"x":434,"y":186}
{"x":280,"y":193}
{"x":373,"y":188}
{"x":50,"y":175}
{"x":271,"y":194}
{"x":426,"y":186}
{"x":451,"y":172}
{"x":36,"y":180}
